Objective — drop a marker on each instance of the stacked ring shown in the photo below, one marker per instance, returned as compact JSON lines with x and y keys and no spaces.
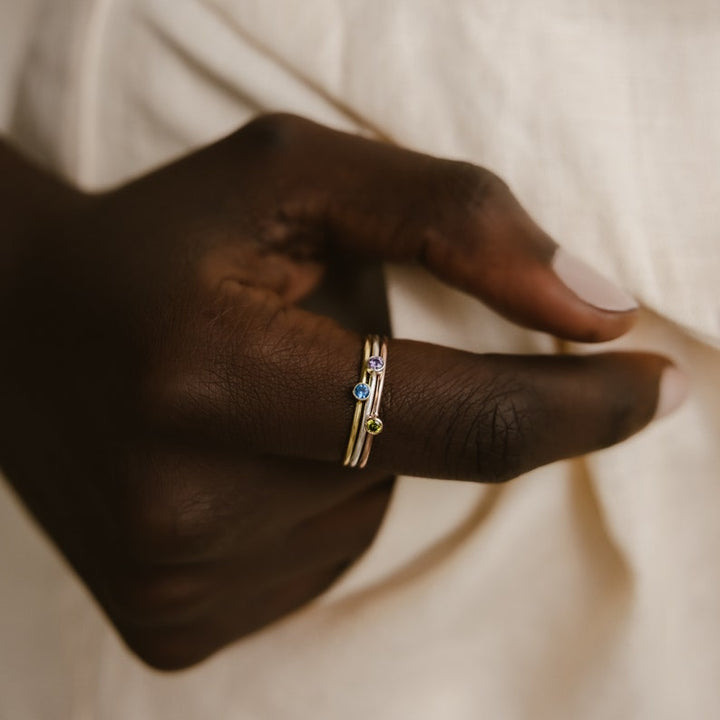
{"x":368,"y":394}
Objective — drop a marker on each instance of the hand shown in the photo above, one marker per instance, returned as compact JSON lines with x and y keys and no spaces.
{"x":176,"y":421}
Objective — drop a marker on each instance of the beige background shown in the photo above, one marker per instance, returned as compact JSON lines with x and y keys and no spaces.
{"x":15,"y":17}
{"x":588,"y":590}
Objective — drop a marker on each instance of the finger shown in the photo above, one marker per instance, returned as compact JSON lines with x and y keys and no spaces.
{"x":188,"y":639}
{"x":186,"y":613}
{"x":340,"y":534}
{"x":510,"y":414}
{"x":459,"y":220}
{"x":184,"y":504}
{"x":287,"y":384}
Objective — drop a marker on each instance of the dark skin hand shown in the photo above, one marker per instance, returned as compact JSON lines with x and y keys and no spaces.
{"x":175,"y":418}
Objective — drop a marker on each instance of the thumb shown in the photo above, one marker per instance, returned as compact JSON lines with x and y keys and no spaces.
{"x":459,"y":220}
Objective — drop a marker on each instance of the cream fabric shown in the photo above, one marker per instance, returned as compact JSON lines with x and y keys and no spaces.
{"x":15,"y":27}
{"x":587,"y":589}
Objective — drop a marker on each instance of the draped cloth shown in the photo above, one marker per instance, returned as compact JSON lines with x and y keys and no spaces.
{"x":586,"y":589}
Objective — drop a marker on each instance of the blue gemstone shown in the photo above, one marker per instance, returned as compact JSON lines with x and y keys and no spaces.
{"x":376,"y":363}
{"x":361,"y":391}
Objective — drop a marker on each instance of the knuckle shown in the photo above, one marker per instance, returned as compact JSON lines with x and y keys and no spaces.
{"x":503,"y":436}
{"x":469,"y":202}
{"x":155,"y":598}
{"x":473,"y":187}
{"x":169,"y":647}
{"x":486,"y":431}
{"x":167,"y":652}
{"x":622,"y":418}
{"x":271,"y":132}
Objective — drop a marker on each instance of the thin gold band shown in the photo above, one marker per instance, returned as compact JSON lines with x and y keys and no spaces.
{"x":368,"y":394}
{"x":362,"y":433}
{"x":358,"y":406}
{"x":374,"y":411}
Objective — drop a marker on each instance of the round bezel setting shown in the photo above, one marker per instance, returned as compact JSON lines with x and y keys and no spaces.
{"x":376,"y":364}
{"x":361,"y":391}
{"x":374,"y":425}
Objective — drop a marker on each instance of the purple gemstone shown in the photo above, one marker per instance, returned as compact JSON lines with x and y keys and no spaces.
{"x":376,"y":363}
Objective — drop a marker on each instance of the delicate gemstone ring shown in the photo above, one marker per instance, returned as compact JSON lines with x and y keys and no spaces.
{"x":367,"y":393}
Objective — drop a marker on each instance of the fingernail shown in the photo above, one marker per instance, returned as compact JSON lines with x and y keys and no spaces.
{"x":589,"y":285}
{"x":674,"y":386}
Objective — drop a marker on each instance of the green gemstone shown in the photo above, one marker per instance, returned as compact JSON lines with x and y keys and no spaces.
{"x":374,"y":425}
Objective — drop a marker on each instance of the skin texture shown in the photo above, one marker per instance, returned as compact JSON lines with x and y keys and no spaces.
{"x":175,"y":416}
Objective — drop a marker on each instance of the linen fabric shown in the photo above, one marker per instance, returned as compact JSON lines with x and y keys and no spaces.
{"x":587,"y":589}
